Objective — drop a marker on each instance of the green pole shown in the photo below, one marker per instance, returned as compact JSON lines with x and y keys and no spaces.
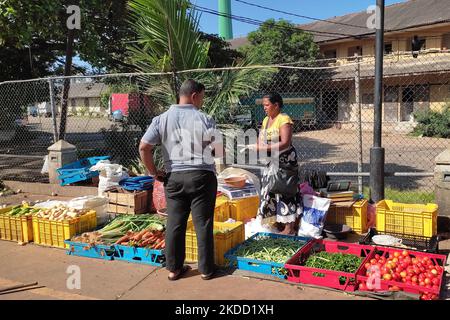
{"x":225,"y":24}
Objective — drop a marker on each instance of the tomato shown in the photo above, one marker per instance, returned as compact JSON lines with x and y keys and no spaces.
{"x":405,"y":265}
{"x":422,"y":284}
{"x":395,"y":260}
{"x":435,"y":281}
{"x":435,"y":287}
{"x":404,"y":280}
{"x":414,"y":279}
{"x":427,"y":280}
{"x":396,"y":254}
{"x":373,"y":261}
{"x":419,"y":265}
{"x":438,"y":269}
{"x":377,"y":256}
{"x":422,"y":270}
{"x":414,"y":261}
{"x":430,"y":267}
{"x":434,"y":271}
{"x":367,"y":266}
{"x":387,"y":276}
{"x":405,"y":253}
{"x":429,"y":286}
{"x":403,"y":274}
{"x":399,"y":269}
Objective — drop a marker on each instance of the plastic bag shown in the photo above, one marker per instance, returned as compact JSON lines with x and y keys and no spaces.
{"x":314,"y":213}
{"x":110,"y":175}
{"x":255,"y":226}
{"x":236,"y":172}
{"x":98,"y":204}
{"x":44,"y":169}
{"x":371,"y":215}
{"x":50,"y":204}
{"x":305,"y":189}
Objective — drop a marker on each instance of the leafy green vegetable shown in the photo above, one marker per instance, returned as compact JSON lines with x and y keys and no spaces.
{"x":334,"y":261}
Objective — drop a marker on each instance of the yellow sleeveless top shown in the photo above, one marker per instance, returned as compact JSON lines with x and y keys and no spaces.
{"x":273,"y":132}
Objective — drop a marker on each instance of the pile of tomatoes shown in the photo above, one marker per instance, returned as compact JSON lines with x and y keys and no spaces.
{"x":407,"y":269}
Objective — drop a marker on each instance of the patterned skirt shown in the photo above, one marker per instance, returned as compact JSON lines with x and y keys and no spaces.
{"x":278,"y":207}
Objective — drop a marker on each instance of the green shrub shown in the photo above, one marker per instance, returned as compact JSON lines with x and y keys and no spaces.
{"x":433,"y":123}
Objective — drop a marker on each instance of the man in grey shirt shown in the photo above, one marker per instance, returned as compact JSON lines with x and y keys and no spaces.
{"x":188,"y":139}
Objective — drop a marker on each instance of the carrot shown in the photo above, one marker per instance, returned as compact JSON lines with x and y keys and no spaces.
{"x":147,"y":235}
{"x":124,"y":238}
{"x":160,"y":245}
{"x":139,"y":235}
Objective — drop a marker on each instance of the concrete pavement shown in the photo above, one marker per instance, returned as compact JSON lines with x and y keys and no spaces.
{"x":117,"y":280}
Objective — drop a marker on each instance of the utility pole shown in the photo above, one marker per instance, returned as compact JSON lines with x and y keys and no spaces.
{"x":377,"y":155}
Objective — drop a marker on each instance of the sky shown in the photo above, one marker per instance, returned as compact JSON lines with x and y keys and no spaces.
{"x":322,"y":9}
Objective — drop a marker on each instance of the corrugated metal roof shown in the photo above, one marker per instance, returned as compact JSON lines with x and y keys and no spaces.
{"x":400,"y":16}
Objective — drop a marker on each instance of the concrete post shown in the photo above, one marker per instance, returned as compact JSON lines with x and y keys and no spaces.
{"x":60,"y":154}
{"x":442,"y":183}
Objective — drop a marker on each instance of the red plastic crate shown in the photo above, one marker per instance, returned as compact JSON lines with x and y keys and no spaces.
{"x":437,"y":259}
{"x":300,"y":274}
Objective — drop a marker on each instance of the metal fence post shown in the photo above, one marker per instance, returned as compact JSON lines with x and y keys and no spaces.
{"x":358,"y":115}
{"x":377,"y":152}
{"x":54,"y":112}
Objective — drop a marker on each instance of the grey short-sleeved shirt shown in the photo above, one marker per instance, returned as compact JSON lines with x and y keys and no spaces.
{"x":185,"y":135}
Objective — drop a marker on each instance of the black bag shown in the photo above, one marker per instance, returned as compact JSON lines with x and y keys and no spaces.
{"x":283,"y":181}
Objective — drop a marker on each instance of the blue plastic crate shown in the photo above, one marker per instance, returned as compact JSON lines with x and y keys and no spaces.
{"x":151,"y":257}
{"x":77,"y":177}
{"x":260,"y":266}
{"x":84,"y":163}
{"x":85,"y":250}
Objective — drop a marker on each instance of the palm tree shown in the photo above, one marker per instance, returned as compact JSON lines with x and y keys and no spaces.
{"x":169,"y":40}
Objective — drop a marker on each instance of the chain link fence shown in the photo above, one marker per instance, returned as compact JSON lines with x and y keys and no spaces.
{"x":331,"y":102}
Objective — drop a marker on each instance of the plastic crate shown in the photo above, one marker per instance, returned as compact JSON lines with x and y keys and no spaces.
{"x":80,"y":175}
{"x":18,"y":229}
{"x":54,"y":233}
{"x":222,"y":241}
{"x":80,"y":164}
{"x":221,"y":211}
{"x":355,"y":216}
{"x":407,"y":219}
{"x":151,"y":257}
{"x":85,"y":250}
{"x":244,"y":209}
{"x":437,"y":259}
{"x":79,"y":170}
{"x":259,"y":266}
{"x":417,"y":243}
{"x":299,"y":273}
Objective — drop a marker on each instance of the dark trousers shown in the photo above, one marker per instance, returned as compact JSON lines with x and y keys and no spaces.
{"x":185,"y":191}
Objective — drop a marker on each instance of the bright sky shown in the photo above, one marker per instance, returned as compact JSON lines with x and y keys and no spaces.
{"x":321,"y":9}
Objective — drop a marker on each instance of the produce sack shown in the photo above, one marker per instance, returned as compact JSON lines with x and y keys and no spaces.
{"x":98,"y":204}
{"x":314,"y":213}
{"x":110,"y":175}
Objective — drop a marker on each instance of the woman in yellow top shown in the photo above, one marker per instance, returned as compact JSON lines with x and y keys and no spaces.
{"x":276,"y":139}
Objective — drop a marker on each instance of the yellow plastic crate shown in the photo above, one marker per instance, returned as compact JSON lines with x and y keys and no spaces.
{"x":244,"y":209}
{"x":53,"y":233}
{"x":407,"y":219}
{"x":221,"y":212}
{"x":18,"y":229}
{"x":355,"y":216}
{"x":232,"y":236}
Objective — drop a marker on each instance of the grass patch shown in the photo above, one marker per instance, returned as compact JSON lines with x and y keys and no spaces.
{"x":405,"y":196}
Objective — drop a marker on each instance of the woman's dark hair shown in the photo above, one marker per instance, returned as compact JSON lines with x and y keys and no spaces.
{"x":275,"y":97}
